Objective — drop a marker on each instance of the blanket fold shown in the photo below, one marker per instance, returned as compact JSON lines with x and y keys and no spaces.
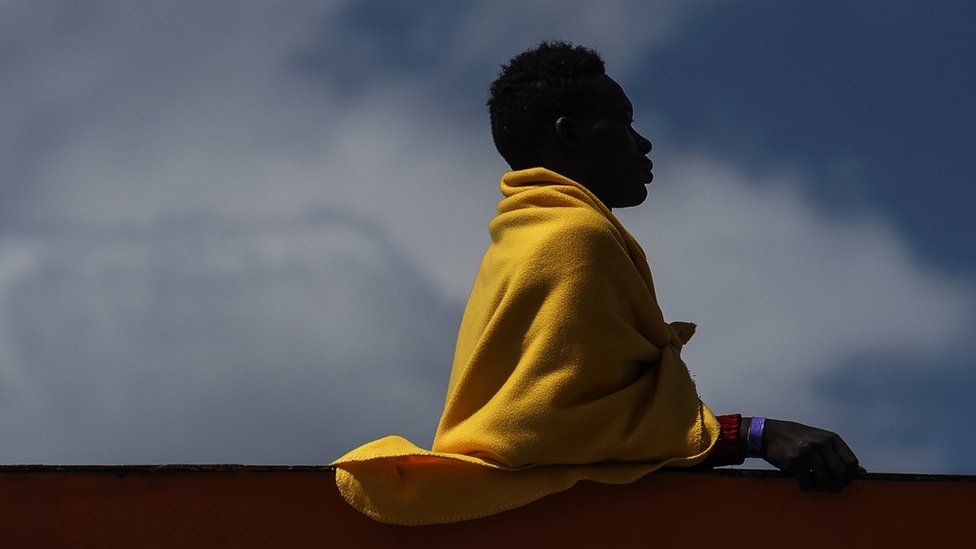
{"x":564,"y":370}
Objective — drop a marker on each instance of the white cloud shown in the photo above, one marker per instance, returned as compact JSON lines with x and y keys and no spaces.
{"x":200,"y":339}
{"x":785,"y":294}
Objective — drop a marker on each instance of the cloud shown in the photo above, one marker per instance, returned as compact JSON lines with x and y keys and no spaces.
{"x":245,"y":232}
{"x":787,"y":296}
{"x":196,"y":338}
{"x":117,"y":116}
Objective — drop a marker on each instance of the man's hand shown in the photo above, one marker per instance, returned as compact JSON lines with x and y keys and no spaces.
{"x":817,"y":458}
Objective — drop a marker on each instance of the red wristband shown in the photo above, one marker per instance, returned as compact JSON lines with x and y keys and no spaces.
{"x":727,"y":450}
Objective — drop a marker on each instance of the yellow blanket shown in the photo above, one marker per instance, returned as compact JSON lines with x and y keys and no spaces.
{"x":564,"y":370}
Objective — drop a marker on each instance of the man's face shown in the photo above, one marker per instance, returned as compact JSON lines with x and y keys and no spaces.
{"x":614,"y":154}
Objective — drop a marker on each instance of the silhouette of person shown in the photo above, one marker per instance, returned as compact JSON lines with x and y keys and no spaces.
{"x":565,"y":368}
{"x":554,"y":106}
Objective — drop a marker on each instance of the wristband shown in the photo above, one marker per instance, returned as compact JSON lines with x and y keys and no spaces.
{"x":754,"y":440}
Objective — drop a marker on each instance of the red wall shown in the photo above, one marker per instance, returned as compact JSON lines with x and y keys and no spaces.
{"x":237,"y":506}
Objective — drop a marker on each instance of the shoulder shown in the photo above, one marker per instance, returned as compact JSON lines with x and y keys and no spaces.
{"x":580,"y":231}
{"x":571,"y":241}
{"x":583,"y":230}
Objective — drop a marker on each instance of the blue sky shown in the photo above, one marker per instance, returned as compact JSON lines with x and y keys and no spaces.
{"x":245,"y":231}
{"x":877,"y":93}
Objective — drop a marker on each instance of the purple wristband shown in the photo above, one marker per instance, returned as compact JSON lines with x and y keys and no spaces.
{"x":754,"y":441}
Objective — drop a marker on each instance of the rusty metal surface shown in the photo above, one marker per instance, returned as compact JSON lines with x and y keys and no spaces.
{"x":227,"y":505}
{"x":216,"y":467}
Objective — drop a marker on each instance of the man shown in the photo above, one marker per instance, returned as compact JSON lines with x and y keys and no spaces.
{"x":564,"y":367}
{"x":597,"y":146}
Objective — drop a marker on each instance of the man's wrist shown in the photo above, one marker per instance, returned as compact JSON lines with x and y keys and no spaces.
{"x":744,"y":424}
{"x":756,"y":437}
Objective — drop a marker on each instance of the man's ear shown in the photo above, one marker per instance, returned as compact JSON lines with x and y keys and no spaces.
{"x":567,"y":132}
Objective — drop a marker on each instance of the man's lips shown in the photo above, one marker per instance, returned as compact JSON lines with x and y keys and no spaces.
{"x":648,"y":166}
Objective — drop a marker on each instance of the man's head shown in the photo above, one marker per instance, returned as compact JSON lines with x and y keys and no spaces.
{"x":554,"y":106}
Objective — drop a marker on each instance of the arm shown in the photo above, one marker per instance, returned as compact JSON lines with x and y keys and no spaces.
{"x":816,"y":458}
{"x":730,"y":448}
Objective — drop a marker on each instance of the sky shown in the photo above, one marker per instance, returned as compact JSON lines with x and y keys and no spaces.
{"x":245,"y":232}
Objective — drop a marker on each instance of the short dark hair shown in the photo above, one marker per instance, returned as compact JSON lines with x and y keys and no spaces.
{"x":532,"y":90}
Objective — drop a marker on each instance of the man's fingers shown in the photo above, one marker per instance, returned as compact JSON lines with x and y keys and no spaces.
{"x":815,"y":457}
{"x":805,"y":478}
{"x":840,"y":475}
{"x":845,"y":453}
{"x":821,"y":473}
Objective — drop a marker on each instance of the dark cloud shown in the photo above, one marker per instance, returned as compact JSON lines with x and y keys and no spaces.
{"x":872,"y":102}
{"x":922,"y":400}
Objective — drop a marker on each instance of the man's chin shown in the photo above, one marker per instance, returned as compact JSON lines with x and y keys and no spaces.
{"x":638,"y":198}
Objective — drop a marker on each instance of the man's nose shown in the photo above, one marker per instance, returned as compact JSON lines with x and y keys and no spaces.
{"x":643,"y":144}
